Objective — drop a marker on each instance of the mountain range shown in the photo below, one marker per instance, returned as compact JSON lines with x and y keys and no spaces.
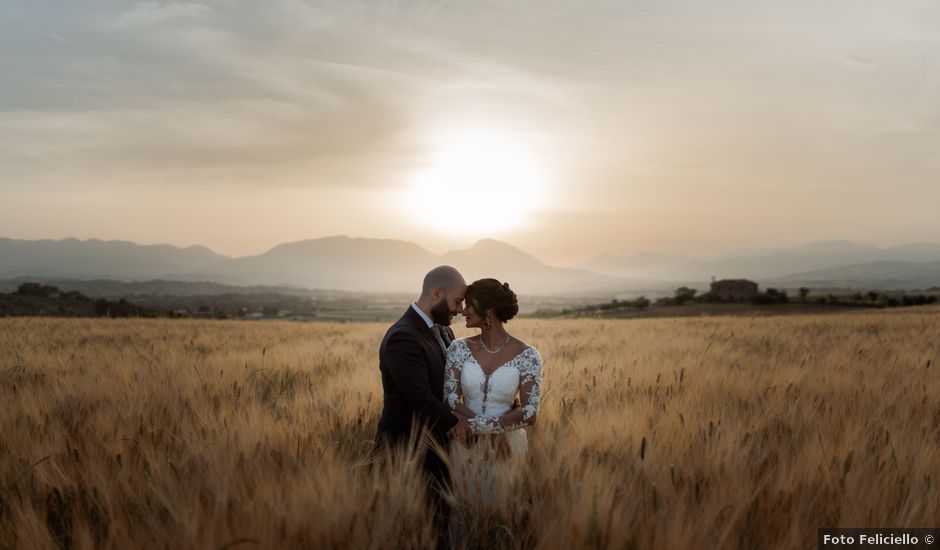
{"x":340,"y":263}
{"x":817,"y":264}
{"x":382,"y":265}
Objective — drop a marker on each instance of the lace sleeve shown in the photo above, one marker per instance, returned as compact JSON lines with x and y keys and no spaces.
{"x":530,"y":391}
{"x":453,"y":393}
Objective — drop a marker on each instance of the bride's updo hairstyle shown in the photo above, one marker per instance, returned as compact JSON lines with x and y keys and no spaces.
{"x":489,"y":294}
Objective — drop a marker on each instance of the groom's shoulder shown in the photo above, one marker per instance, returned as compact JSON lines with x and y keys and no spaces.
{"x":402,"y":326}
{"x":400,"y":337}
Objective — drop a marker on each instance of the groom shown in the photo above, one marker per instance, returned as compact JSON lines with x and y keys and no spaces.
{"x":412,"y":360}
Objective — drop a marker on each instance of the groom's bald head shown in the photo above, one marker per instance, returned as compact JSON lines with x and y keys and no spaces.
{"x":443,"y":277}
{"x":442,"y":294}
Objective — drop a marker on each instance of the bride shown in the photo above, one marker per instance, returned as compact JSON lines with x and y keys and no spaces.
{"x":486,"y":372}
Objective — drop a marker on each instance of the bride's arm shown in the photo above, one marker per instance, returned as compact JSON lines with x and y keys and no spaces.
{"x":530,"y":389}
{"x":453,"y":393}
{"x":464,"y":411}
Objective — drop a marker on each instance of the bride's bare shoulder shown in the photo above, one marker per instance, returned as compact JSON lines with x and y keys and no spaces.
{"x":528,"y":349}
{"x":519,"y":343}
{"x":518,"y":346}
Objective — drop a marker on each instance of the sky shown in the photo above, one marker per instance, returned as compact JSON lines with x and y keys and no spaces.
{"x":569,"y":129}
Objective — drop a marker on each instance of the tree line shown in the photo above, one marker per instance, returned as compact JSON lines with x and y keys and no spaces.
{"x":32,"y":299}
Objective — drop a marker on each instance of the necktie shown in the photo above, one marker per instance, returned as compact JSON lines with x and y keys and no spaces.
{"x":447,"y":335}
{"x":441,"y":335}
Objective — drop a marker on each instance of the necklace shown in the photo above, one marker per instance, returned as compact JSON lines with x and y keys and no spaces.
{"x":493,"y":351}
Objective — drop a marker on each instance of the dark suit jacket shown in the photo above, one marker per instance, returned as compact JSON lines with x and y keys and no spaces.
{"x":412,"y":365}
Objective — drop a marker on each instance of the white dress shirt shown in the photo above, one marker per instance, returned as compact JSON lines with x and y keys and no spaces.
{"x":434,"y":329}
{"x":423,"y":315}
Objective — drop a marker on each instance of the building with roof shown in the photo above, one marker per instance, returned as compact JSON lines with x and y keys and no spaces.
{"x":733,"y":290}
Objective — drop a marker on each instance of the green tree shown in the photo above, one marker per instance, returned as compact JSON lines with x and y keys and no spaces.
{"x":772,"y":296}
{"x":36,"y":289}
{"x":684,"y":294}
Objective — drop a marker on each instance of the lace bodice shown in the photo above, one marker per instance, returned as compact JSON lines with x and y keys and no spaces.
{"x":491,"y":396}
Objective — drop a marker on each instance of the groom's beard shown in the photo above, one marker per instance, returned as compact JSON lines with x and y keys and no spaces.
{"x":440,"y":313}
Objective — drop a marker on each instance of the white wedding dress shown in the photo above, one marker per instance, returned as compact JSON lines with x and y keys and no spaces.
{"x":491,"y":396}
{"x":483,"y":482}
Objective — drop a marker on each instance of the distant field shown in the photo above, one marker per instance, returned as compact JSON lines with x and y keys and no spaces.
{"x":729,"y":309}
{"x":724,"y":432}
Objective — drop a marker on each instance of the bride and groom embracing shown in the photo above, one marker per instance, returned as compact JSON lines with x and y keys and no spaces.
{"x":483,"y":390}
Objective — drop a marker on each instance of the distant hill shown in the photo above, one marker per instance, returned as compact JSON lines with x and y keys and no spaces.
{"x":111,"y":259}
{"x":340,"y":263}
{"x":384,"y":265}
{"x":156,"y":287}
{"x":489,"y":258}
{"x":873,"y":275}
{"x":768,"y":263}
{"x":645,"y":265}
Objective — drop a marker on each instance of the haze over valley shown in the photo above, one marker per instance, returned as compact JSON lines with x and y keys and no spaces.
{"x":383,"y":265}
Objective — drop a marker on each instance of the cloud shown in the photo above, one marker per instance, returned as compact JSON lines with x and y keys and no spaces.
{"x":158,"y":13}
{"x":199,"y":103}
{"x":670,"y":102}
{"x":187,"y":92}
{"x":239,"y":142}
{"x":856,"y":60}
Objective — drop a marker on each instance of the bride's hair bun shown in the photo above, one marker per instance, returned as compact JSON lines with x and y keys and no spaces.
{"x":490,"y":294}
{"x":510,"y":304}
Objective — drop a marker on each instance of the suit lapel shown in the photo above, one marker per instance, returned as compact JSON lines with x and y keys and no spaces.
{"x":429,"y":336}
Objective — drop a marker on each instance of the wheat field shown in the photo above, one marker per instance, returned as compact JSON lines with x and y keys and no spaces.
{"x":666,"y":433}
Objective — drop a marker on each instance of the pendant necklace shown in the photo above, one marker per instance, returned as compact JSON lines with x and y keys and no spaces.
{"x":493,"y":351}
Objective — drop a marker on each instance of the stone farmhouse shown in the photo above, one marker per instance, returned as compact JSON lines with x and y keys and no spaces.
{"x":733,"y":290}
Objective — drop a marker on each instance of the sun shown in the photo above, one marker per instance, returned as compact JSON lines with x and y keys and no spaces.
{"x":476,"y":183}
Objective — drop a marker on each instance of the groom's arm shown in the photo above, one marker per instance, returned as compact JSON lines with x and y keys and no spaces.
{"x":406,"y":364}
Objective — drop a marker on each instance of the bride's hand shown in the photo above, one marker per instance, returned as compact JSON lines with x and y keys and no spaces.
{"x":462,"y":411}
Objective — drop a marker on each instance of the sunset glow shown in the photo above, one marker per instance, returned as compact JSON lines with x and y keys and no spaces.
{"x":476,"y":183}
{"x":568,"y":129}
